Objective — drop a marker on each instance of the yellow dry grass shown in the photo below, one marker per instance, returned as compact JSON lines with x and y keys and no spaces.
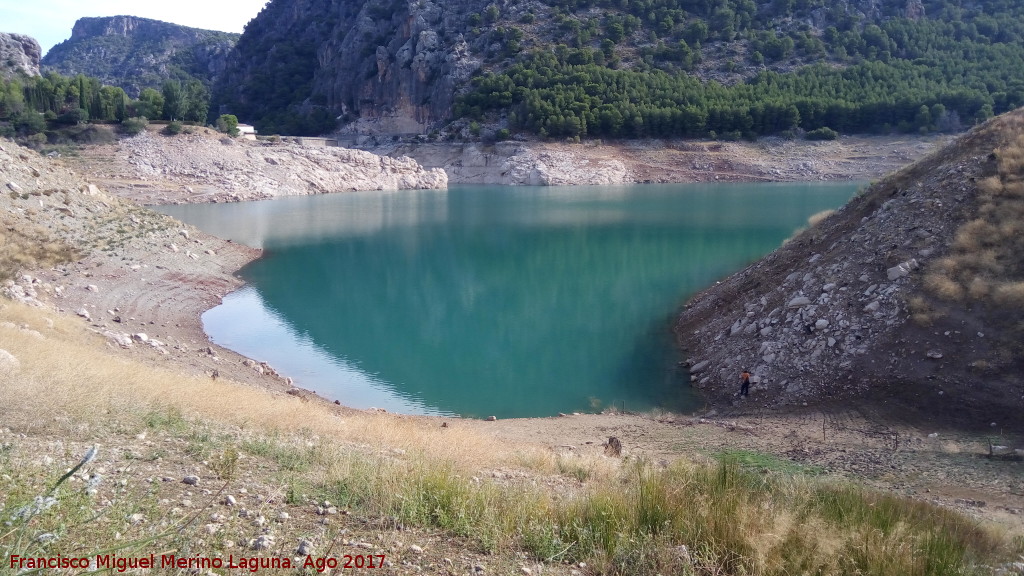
{"x":67,"y":381}
{"x":985,"y":262}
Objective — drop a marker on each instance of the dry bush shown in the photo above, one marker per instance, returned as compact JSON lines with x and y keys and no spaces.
{"x":990,"y":186}
{"x":979,"y":288}
{"x":819,"y":217}
{"x":943,"y":287}
{"x":28,"y":249}
{"x":1010,"y":294}
{"x":921,"y":311}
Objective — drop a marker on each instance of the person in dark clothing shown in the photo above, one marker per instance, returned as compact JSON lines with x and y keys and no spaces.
{"x":745,"y":386}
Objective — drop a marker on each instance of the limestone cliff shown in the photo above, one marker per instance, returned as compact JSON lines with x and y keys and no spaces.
{"x":19,"y":54}
{"x":136,"y":53}
{"x":303,"y":64}
{"x":909,"y":299}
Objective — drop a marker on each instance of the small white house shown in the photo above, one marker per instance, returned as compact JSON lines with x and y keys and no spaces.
{"x":247,"y":131}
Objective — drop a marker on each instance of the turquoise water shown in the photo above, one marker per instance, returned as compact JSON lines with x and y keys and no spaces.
{"x":492,"y":300}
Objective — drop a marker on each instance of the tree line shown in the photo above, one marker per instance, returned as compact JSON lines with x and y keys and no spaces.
{"x":29,"y":104}
{"x":943,"y":72}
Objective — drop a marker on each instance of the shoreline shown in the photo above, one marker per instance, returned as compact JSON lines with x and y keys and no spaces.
{"x":158,"y":277}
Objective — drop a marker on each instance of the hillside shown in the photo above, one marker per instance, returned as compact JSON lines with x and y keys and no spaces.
{"x":19,"y":55}
{"x":555,"y":68}
{"x":907,"y":301}
{"x":136,"y":53}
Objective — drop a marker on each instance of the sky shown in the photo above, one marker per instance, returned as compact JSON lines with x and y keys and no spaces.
{"x":50,"y":21}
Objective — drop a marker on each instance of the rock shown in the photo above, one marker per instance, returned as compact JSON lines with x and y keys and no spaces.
{"x":821,"y":324}
{"x":492,"y":418}
{"x":83,"y":313}
{"x":305,"y":548}
{"x":9,"y":364}
{"x":14,"y":187}
{"x":140,"y":337}
{"x":831,"y":342}
{"x":873,"y":306}
{"x":798,"y":302}
{"x":902,"y":269}
{"x":934,"y":354}
{"x":230,"y":500}
{"x":613,"y":447}
{"x":191,"y":480}
{"x":416,"y":549}
{"x":699,"y":367}
{"x":92,"y":288}
{"x":263,"y":542}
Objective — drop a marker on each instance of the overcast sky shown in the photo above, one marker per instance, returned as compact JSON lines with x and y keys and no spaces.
{"x":50,"y":21}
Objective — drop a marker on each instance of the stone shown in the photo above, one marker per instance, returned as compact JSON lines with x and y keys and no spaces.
{"x":92,"y":288}
{"x":873,"y":306}
{"x":263,"y":542}
{"x":14,"y":187}
{"x":83,"y":313}
{"x":9,"y":364}
{"x":934,"y":354}
{"x":902,"y":269}
{"x":415,"y":549}
{"x":305,"y":548}
{"x":140,"y":337}
{"x":699,"y":367}
{"x":831,"y":342}
{"x":191,"y":480}
{"x":613,"y":447}
{"x":821,"y":324}
{"x":230,"y":500}
{"x":492,"y":418}
{"x":798,"y":302}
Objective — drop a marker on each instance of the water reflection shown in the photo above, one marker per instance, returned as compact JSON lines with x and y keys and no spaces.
{"x":492,"y":300}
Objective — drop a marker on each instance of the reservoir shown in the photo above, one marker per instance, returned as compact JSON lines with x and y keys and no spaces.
{"x":492,"y":300}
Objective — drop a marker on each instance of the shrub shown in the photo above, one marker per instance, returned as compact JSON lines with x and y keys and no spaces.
{"x":135,"y":125}
{"x":173,"y":128}
{"x":228,"y":124}
{"x":823,"y":133}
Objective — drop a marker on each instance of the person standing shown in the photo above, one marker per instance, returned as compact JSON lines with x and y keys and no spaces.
{"x":745,"y":386}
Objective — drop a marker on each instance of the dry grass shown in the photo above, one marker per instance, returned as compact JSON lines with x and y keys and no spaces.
{"x":29,"y":249}
{"x":630,"y":518}
{"x":986,"y":263}
{"x":819,"y":217}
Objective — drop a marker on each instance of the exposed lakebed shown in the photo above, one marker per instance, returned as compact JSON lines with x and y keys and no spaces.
{"x":491,"y":300}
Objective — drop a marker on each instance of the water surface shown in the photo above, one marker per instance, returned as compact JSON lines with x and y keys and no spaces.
{"x":481,"y":300}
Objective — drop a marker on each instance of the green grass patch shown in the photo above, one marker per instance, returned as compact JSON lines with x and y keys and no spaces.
{"x":764,"y":462}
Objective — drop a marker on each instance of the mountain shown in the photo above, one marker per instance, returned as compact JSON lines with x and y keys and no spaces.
{"x":627,"y":68}
{"x":19,"y":54}
{"x":136,"y":53}
{"x":908,"y":300}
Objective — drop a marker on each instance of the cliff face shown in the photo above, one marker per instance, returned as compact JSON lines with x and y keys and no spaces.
{"x":908,"y":300}
{"x":302,"y":64}
{"x":136,"y":53}
{"x":19,"y":54}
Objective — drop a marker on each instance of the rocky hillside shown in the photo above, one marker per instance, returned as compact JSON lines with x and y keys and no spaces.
{"x":19,"y":54}
{"x":908,"y":300}
{"x":205,"y":166}
{"x":136,"y":53}
{"x":602,"y":68}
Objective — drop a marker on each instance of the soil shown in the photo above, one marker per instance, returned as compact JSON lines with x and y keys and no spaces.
{"x":146,"y":286}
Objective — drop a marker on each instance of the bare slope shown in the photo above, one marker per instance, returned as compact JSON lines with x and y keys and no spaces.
{"x":843,"y":313}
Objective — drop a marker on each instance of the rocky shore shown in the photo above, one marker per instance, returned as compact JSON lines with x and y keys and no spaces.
{"x":663,"y":161}
{"x":206,"y":167}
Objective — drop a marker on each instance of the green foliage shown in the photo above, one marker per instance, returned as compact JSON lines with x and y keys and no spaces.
{"x":228,"y":124}
{"x":174,"y":128}
{"x":823,"y":133}
{"x":134,"y":125}
{"x":150,"y":104}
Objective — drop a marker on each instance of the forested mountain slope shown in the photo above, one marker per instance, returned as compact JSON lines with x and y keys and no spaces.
{"x":136,"y":53}
{"x":628,"y":68}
